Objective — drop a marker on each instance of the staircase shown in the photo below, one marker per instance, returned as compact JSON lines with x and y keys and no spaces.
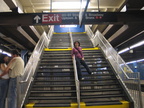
{"x":102,"y":88}
{"x":54,"y":84}
{"x":54,"y":81}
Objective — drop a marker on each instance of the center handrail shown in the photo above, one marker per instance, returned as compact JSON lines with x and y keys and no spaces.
{"x":75,"y":73}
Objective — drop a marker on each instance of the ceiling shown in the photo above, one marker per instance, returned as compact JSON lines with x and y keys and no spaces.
{"x":119,"y":35}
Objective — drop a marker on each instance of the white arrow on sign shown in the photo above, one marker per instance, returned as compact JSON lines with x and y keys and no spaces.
{"x":37,"y":18}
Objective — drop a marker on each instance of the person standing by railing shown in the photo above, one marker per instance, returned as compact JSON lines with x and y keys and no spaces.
{"x":15,"y":69}
{"x":77,"y":51}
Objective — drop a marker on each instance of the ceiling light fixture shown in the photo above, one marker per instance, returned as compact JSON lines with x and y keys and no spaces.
{"x":137,"y":44}
{"x":124,"y":9}
{"x":66,"y":5}
{"x":124,"y":50}
{"x":0,"y":51}
{"x":132,"y":47}
{"x":142,"y":8}
{"x":4,"y":52}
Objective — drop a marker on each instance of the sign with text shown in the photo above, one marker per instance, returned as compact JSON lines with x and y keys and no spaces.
{"x":73,"y":18}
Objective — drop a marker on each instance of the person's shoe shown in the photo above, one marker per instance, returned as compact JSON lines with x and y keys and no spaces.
{"x":82,"y":79}
{"x":92,"y":73}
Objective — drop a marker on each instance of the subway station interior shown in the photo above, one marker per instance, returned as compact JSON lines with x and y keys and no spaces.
{"x":111,"y":34}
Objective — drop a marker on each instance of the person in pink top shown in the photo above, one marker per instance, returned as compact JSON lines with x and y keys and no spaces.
{"x":77,"y":51}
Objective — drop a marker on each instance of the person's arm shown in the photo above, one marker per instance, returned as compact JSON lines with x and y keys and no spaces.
{"x":72,"y":53}
{"x":3,"y":66}
{"x":7,"y":68}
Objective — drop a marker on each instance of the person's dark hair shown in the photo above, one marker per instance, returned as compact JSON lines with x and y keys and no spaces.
{"x":2,"y":56}
{"x":14,"y":52}
{"x":76,"y":42}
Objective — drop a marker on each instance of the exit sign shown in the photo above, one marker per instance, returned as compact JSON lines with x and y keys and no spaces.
{"x":51,"y":18}
{"x":73,"y":18}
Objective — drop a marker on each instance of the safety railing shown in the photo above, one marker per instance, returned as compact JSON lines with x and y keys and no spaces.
{"x":130,"y":79}
{"x":24,"y":81}
{"x":75,"y":74}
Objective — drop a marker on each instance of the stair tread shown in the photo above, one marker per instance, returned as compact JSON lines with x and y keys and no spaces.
{"x":71,"y":76}
{"x":99,"y":84}
{"x":98,"y":79}
{"x":99,"y":75}
{"x":51,"y":97}
{"x":53,"y":91}
{"x":56,"y":80}
{"x":103,"y":96}
{"x":103,"y":103}
{"x":53,"y":105}
{"x":96,"y":90}
{"x":46,"y":85}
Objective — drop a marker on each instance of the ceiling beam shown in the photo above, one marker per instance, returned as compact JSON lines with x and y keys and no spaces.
{"x":12,"y":5}
{"x":13,"y":42}
{"x":21,"y":30}
{"x":120,"y":31}
{"x":107,"y":29}
{"x":35,"y":31}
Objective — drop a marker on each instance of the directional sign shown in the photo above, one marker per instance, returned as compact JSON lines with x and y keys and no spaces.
{"x":65,"y":18}
{"x":37,"y":18}
{"x":72,"y":18}
{"x":55,"y":18}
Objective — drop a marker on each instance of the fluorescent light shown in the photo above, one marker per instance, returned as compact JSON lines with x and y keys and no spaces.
{"x":140,"y":60}
{"x":6,"y":53}
{"x":131,"y":62}
{"x":142,"y":8}
{"x":137,"y":44}
{"x":124,"y":9}
{"x":66,"y":5}
{"x":46,"y":11}
{"x":132,"y":47}
{"x":0,"y":51}
{"x":124,"y":50}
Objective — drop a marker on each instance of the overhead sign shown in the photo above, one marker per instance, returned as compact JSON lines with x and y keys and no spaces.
{"x":72,"y":18}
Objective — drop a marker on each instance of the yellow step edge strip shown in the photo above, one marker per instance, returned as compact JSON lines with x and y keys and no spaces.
{"x":47,"y":49}
{"x":61,"y":33}
{"x":68,"y":49}
{"x":125,"y":104}
{"x":78,"y":32}
{"x":96,"y":48}
{"x":30,"y":105}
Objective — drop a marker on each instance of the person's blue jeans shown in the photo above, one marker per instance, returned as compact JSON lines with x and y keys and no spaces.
{"x":12,"y":93}
{"x":3,"y":91}
{"x":78,"y":64}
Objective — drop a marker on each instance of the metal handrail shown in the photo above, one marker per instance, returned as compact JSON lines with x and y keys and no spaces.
{"x":25,"y":81}
{"x":28,"y":76}
{"x":109,"y":50}
{"x":76,"y":75}
{"x":117,"y":62}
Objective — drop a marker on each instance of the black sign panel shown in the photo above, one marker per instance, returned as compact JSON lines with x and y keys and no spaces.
{"x":91,"y":18}
{"x":72,"y":18}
